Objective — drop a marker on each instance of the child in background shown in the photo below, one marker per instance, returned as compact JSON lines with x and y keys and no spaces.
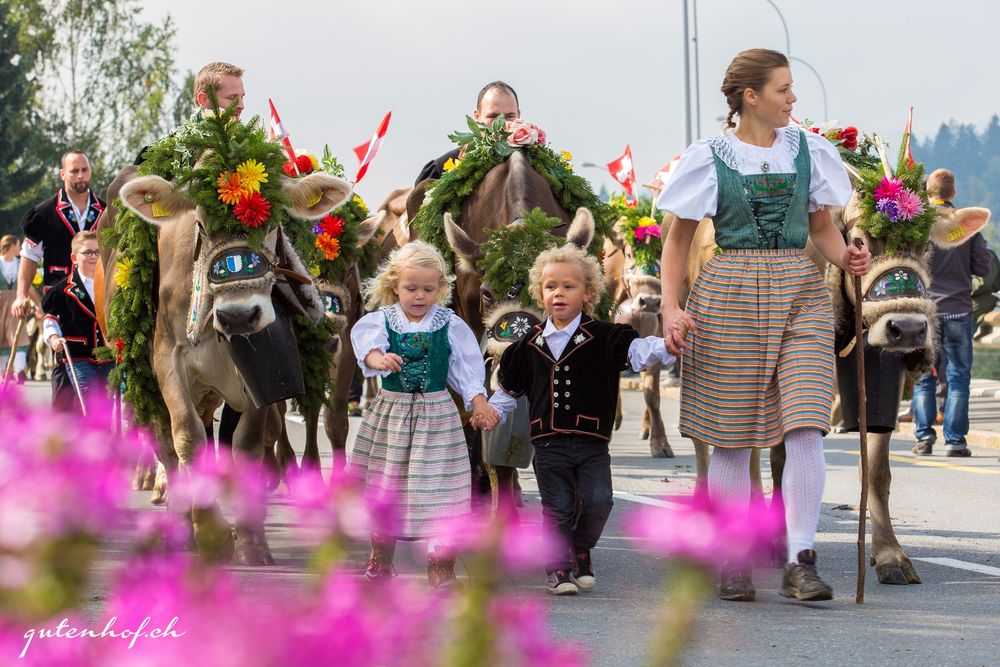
{"x":411,"y":446}
{"x":570,"y":369}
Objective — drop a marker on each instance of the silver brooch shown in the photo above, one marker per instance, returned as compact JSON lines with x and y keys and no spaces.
{"x":765,"y":167}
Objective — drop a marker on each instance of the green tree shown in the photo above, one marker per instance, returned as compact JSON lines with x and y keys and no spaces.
{"x":106,"y":76}
{"x":25,"y":150}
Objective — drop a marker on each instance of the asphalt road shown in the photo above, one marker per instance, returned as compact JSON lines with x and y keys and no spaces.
{"x":942,"y":508}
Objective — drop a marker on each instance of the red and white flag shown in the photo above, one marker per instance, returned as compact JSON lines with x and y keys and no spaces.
{"x":909,"y":132}
{"x":623,"y":171}
{"x":666,"y":171}
{"x":276,"y":130}
{"x":366,"y":151}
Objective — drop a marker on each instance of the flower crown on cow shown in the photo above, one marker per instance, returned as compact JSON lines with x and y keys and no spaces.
{"x":483,"y":148}
{"x":639,"y":227}
{"x":229,"y":168}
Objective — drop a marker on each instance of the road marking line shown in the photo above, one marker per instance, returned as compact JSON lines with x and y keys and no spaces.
{"x":624,"y":495}
{"x":922,"y":462}
{"x":962,"y":565}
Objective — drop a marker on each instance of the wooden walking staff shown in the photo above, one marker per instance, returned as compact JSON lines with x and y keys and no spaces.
{"x":13,"y":346}
{"x":859,"y":350}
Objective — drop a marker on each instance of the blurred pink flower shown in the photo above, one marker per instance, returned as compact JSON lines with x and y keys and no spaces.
{"x":342,"y":506}
{"x":240,"y":484}
{"x":522,"y":636}
{"x":518,"y":546}
{"x":711,"y":534}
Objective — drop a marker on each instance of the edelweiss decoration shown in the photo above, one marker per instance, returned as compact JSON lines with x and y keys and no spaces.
{"x":579,"y":338}
{"x":897,"y":283}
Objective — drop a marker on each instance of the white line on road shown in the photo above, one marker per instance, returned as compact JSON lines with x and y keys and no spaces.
{"x":624,"y":495}
{"x":962,"y":565}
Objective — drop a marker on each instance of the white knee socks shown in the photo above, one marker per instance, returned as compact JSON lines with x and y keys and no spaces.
{"x":802,"y":488}
{"x":729,"y":476}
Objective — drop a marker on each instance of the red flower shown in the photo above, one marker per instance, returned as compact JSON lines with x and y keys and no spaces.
{"x":332,"y":225}
{"x":120,"y":347}
{"x":253,"y":210}
{"x":849,"y":137}
{"x":302,"y":162}
{"x":814,"y":130}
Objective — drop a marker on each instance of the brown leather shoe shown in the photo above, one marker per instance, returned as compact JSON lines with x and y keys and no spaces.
{"x":441,"y":573}
{"x":736,"y":586}
{"x":924,"y":447}
{"x":802,"y":582}
{"x":379,"y":565}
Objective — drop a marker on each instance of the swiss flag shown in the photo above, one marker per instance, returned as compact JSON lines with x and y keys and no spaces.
{"x":664,"y":173}
{"x":623,"y":171}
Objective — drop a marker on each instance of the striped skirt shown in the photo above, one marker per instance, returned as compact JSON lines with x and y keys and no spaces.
{"x":411,"y":448}
{"x":760,"y":363}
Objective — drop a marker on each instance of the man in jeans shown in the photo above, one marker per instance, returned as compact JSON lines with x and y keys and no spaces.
{"x":951,"y":288}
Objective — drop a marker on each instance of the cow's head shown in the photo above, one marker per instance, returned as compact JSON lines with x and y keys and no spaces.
{"x":233,"y":281}
{"x":640,"y":284}
{"x":898,"y":313}
{"x":505,"y":318}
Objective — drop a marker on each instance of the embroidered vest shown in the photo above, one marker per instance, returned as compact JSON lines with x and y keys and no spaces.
{"x":425,"y":355}
{"x":763,"y":211}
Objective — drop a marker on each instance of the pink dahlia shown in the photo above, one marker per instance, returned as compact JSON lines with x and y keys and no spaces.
{"x":889,"y":188}
{"x":909,"y":204}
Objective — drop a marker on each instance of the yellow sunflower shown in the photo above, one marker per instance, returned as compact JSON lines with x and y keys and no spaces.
{"x":122,"y":269}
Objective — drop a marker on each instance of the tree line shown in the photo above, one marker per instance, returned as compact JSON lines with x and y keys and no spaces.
{"x":974,"y":156}
{"x":83,"y":74}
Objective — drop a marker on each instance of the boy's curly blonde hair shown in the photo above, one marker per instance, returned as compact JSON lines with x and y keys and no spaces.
{"x":593,"y":277}
{"x":378,"y":290}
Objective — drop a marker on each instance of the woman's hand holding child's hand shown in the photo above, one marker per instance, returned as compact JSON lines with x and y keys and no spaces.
{"x":389,"y":361}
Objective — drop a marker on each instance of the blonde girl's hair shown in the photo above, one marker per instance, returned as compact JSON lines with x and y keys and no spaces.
{"x":750,"y":69}
{"x":6,"y":242}
{"x":378,"y":291}
{"x":569,"y":254}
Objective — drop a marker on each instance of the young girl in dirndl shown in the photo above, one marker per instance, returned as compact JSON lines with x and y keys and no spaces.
{"x":410,"y":446}
{"x":757,"y":333}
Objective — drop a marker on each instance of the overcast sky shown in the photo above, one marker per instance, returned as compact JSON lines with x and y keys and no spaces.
{"x":595,"y":74}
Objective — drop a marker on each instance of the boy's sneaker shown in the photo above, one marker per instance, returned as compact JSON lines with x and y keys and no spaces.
{"x":560,"y":583}
{"x":583,"y":571}
{"x":802,"y":582}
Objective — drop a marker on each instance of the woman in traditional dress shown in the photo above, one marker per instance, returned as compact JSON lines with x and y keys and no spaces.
{"x":410,"y":448}
{"x":757,"y":336}
{"x":9,"y":265}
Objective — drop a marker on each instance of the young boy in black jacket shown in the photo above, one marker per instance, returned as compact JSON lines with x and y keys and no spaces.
{"x":570,"y":368}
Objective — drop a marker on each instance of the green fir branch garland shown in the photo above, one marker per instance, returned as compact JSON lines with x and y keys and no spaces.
{"x":485,"y":148}
{"x":509,"y":252}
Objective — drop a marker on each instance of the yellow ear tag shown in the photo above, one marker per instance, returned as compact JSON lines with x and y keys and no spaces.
{"x":956,"y":234}
{"x":159,"y":210}
{"x":313,"y":200}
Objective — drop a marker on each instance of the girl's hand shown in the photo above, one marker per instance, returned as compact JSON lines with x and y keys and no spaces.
{"x":389,"y":361}
{"x":676,"y":325}
{"x":856,"y":261}
{"x":484,"y":415}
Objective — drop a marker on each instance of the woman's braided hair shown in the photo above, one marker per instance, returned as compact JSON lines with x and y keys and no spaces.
{"x":750,"y":69}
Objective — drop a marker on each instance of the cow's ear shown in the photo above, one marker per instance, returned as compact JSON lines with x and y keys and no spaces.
{"x":581,"y":231}
{"x":368,"y":228}
{"x":154,"y":200}
{"x":466,"y":250}
{"x":954,"y":227}
{"x":315,"y":195}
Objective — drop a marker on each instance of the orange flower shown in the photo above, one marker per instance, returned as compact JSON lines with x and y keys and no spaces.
{"x":329,"y":245}
{"x":230,"y":188}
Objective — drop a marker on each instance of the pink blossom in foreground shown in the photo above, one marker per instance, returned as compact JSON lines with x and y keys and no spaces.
{"x":712,"y":534}
{"x":523,"y":638}
{"x":341,"y":507}
{"x":241,"y":484}
{"x":517,"y":546}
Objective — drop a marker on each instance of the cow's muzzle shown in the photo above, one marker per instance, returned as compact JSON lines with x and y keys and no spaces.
{"x":236,"y":321}
{"x":906,"y":333}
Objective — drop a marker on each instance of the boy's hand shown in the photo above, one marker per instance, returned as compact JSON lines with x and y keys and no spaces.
{"x":389,"y":361}
{"x":484,"y":415}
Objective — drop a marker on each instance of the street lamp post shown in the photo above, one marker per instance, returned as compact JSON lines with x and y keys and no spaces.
{"x":826,"y":110}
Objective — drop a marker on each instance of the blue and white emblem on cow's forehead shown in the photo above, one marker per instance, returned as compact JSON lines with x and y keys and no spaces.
{"x":895,"y":283}
{"x":237,"y":264}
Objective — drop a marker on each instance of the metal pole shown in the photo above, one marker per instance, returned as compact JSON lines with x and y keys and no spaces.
{"x":697,"y":76}
{"x":687,"y":80}
{"x":826,"y":109}
{"x":788,"y":41}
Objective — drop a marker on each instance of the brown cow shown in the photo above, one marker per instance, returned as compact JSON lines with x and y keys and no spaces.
{"x":192,"y":368}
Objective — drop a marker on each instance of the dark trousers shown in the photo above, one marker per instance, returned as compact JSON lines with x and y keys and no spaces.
{"x":92,"y":378}
{"x":571,"y":470}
